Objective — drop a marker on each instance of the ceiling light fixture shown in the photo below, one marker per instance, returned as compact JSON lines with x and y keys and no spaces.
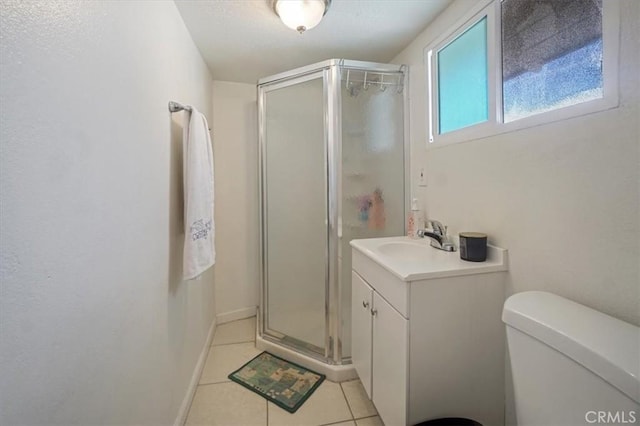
{"x":301,"y":15}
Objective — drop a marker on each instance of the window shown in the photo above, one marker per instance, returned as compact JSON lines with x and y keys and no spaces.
{"x":462,"y":79}
{"x":551,"y":55}
{"x":511,"y":64}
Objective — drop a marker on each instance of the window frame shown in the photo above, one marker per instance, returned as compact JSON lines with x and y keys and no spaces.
{"x":495,"y":124}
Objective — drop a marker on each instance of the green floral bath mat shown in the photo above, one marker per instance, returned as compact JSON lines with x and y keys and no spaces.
{"x":284,"y":383}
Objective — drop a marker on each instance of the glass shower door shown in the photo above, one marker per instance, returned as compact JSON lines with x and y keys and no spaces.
{"x":294,"y":222}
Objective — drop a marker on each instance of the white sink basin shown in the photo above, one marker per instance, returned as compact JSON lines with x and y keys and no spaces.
{"x":411,"y":259}
{"x":405,"y":250}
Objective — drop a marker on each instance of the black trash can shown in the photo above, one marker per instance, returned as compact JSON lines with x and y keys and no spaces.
{"x":450,"y":421}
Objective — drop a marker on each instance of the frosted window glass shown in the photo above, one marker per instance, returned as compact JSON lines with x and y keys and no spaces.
{"x":552,"y":55}
{"x":462,"y":80}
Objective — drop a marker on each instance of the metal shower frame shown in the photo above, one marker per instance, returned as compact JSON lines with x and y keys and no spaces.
{"x":330,"y":72}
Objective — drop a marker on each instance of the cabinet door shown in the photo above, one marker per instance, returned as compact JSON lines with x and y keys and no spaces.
{"x":361,"y":302}
{"x":390,"y":380}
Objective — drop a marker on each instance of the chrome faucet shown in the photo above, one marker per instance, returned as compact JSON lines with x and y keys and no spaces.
{"x":439,"y":237}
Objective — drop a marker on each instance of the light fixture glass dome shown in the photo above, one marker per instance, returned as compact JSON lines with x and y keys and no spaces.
{"x":301,"y":15}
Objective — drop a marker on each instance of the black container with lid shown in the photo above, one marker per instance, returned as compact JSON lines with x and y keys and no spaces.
{"x":473,"y":246}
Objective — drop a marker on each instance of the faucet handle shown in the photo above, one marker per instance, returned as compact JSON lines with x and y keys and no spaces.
{"x":438,"y":228}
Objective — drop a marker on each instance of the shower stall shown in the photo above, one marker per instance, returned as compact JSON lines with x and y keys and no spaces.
{"x":332,"y":169}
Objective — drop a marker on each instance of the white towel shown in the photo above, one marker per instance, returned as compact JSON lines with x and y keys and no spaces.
{"x":199,"y":248}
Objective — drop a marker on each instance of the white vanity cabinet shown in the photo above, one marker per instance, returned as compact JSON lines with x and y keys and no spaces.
{"x":380,"y":339}
{"x":427,"y":340}
{"x":362,"y":329}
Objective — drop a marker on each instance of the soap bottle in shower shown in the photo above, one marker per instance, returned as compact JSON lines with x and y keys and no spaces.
{"x":414,"y":220}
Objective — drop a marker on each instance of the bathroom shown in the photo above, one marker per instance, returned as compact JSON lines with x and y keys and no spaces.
{"x":96,"y":324}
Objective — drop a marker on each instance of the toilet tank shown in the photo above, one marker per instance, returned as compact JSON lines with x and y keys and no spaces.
{"x":570,"y":364}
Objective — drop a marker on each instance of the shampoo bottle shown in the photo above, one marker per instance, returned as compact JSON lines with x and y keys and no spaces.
{"x":414,"y":221}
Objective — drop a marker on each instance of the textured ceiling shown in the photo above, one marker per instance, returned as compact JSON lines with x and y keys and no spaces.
{"x":244,"y":40}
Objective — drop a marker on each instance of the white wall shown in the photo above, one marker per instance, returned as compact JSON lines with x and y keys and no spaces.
{"x":562,"y":197}
{"x":235,"y":146}
{"x":96,"y":326}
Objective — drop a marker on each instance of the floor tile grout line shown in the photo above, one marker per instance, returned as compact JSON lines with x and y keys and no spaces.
{"x":337,"y":423}
{"x":347,"y":401}
{"x":232,"y":343}
{"x":209,"y":349}
{"x":367,"y":417}
{"x":215,"y":383}
{"x":196,"y":391}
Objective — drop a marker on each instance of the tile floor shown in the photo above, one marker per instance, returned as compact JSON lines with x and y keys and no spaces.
{"x":219,"y":401}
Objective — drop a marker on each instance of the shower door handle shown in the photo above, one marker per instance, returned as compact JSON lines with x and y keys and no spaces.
{"x":374,"y":312}
{"x":365,"y":304}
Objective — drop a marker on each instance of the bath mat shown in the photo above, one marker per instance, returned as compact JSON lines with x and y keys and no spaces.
{"x":284,"y":383}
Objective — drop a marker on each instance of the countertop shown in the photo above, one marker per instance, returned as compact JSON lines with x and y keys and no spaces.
{"x":434,"y":264}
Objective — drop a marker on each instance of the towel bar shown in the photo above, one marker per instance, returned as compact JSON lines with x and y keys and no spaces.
{"x":176,"y":106}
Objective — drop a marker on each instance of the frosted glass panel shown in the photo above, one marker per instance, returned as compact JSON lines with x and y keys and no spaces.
{"x":372,"y":191}
{"x":552,"y":55}
{"x":462,"y":80}
{"x":296,"y":212}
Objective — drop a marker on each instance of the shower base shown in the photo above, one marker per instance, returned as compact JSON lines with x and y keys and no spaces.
{"x":335,"y":373}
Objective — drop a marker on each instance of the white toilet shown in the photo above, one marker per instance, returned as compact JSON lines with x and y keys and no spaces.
{"x":571,"y":365}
